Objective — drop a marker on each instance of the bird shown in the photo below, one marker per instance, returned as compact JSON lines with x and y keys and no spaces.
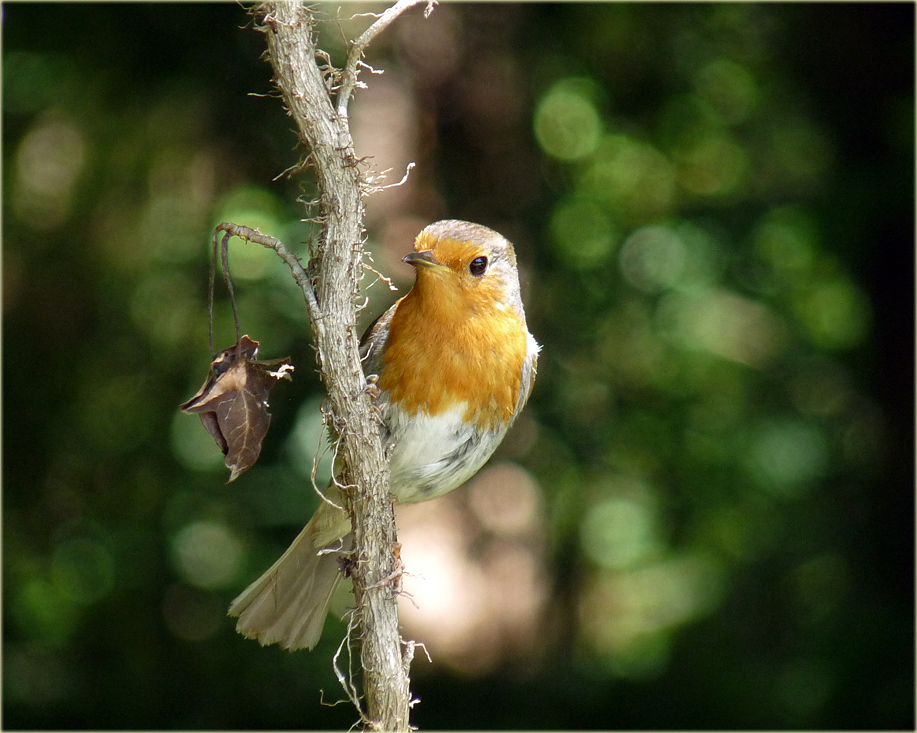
{"x":452,"y":364}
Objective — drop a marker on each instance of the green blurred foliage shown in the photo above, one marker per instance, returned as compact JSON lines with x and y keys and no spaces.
{"x":713,"y":208}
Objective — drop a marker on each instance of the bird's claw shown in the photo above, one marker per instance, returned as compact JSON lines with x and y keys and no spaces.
{"x":372,"y":387}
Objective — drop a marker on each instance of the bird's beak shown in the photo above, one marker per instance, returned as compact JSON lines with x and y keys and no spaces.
{"x":424,"y":258}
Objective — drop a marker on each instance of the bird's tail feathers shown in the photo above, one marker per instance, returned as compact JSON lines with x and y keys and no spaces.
{"x":289,"y":603}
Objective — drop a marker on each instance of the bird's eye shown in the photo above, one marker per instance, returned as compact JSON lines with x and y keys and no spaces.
{"x":478,"y":266}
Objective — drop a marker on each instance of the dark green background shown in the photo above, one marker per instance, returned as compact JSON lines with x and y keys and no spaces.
{"x":781,"y":137}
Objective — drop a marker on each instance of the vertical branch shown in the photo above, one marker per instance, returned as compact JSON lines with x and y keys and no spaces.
{"x":336,"y":269}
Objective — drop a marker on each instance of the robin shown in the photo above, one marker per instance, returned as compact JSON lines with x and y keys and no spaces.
{"x":455,"y":365}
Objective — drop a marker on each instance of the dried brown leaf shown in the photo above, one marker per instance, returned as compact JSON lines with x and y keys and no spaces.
{"x":233,"y":404}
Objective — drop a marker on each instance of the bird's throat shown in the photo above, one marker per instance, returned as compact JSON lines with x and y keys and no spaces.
{"x":446,"y":348}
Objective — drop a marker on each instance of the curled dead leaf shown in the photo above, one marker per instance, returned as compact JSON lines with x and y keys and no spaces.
{"x":233,"y":404}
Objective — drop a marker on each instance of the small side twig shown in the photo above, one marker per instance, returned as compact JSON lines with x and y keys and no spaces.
{"x":224,"y":257}
{"x":300,"y":275}
{"x":346,"y":680}
{"x":349,"y":72}
{"x":227,"y":279}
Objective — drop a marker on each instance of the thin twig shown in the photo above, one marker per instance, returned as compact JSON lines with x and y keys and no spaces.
{"x":224,"y":256}
{"x":345,"y":680}
{"x":349,"y":72}
{"x":404,"y":180}
{"x":213,"y":277}
{"x":299,"y":273}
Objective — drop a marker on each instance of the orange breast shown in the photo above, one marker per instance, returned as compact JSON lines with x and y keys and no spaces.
{"x":446,"y":347}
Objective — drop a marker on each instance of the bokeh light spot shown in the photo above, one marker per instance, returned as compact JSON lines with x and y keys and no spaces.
{"x":724,"y":324}
{"x":45,"y":612}
{"x":584,"y":235}
{"x":786,"y":456}
{"x":835,"y":312}
{"x":704,"y":255}
{"x":653,"y":258}
{"x":505,"y":499}
{"x":49,"y":161}
{"x":632,"y":177}
{"x":443,"y":583}
{"x":786,"y":240}
{"x":567,"y":123}
{"x":712,"y":164}
{"x":797,"y":157}
{"x":167,"y":309}
{"x":207,"y":554}
{"x":34,"y":674}
{"x":84,"y":569}
{"x":729,"y":88}
{"x":619,"y":532}
{"x":170,"y":228}
{"x":625,"y":614}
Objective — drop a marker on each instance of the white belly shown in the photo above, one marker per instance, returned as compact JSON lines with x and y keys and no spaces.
{"x":434,"y":455}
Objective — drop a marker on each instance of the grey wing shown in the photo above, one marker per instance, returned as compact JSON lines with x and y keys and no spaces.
{"x":529,"y":370}
{"x":372,"y":345}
